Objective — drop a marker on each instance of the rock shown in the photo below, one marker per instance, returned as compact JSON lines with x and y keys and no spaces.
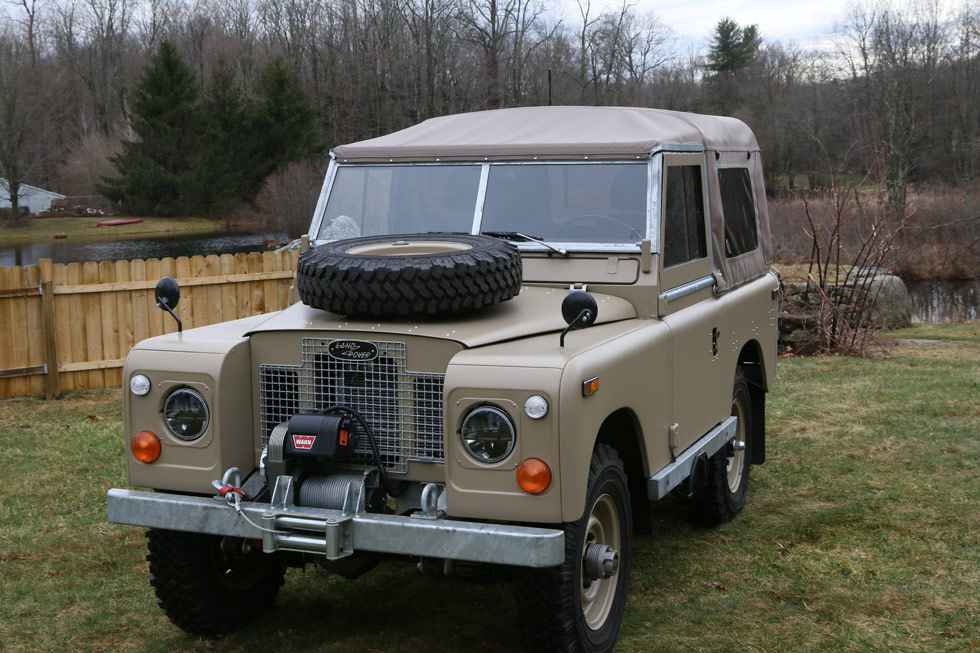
{"x":800,"y":342}
{"x":799,"y":310}
{"x":293,"y":245}
{"x":893,"y":304}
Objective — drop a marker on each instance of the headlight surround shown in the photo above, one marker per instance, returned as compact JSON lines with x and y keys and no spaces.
{"x":186,"y":414}
{"x":488,"y":434}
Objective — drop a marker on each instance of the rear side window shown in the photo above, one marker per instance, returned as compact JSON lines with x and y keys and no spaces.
{"x":736,"y":202}
{"x":684,"y":238}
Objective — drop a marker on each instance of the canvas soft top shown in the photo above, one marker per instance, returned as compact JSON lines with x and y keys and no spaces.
{"x":552,"y":133}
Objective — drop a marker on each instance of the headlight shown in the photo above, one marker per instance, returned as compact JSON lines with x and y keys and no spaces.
{"x":186,"y":414}
{"x":488,"y":434}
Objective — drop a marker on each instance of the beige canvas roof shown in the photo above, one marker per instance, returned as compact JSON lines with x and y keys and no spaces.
{"x":552,"y":133}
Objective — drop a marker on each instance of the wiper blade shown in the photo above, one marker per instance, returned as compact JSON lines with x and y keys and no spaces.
{"x":516,"y":235}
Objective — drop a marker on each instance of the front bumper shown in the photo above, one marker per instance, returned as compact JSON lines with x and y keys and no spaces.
{"x":336,"y":534}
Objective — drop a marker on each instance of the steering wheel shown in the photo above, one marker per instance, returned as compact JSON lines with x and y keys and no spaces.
{"x":608,"y":218}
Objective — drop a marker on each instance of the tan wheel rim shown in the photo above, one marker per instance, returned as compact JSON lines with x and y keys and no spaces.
{"x":409,"y":248}
{"x":602,"y":528}
{"x":737,"y":457}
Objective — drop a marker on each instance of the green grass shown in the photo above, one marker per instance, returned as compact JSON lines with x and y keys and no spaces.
{"x":861,"y":533}
{"x":954,"y":331}
{"x":83,"y":229}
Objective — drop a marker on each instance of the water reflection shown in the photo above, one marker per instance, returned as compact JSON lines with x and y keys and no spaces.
{"x":67,"y":251}
{"x":945,"y":301}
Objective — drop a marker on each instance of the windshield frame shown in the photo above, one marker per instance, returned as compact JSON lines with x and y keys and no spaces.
{"x":653,"y":163}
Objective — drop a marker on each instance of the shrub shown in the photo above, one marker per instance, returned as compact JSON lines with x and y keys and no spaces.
{"x":288,"y":198}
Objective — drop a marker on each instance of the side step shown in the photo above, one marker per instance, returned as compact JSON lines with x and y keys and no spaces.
{"x":676,"y":472}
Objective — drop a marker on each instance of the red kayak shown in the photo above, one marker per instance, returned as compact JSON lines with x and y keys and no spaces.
{"x":113,"y":223}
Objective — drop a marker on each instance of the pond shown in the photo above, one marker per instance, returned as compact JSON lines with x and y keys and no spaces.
{"x":68,"y":251}
{"x":945,"y":301}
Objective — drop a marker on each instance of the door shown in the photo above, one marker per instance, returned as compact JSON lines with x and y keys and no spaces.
{"x":687,"y":304}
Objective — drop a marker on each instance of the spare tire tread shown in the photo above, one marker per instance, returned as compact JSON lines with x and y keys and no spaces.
{"x":332,"y":279}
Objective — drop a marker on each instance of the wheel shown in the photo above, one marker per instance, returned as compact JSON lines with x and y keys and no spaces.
{"x":204,"y":590}
{"x":579,"y":605}
{"x":727,"y":472}
{"x":409,"y":275}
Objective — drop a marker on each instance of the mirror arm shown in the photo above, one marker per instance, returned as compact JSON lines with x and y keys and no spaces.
{"x":583,"y":317}
{"x":162,"y":303}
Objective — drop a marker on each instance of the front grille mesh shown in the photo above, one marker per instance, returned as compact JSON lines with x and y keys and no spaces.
{"x":403,"y":408}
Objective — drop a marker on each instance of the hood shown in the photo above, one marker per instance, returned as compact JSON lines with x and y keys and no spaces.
{"x":534,"y":311}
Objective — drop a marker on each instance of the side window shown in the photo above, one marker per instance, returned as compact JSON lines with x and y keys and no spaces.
{"x":736,"y":202}
{"x":684,"y":238}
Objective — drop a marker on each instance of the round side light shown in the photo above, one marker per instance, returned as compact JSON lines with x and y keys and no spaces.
{"x":534,"y":475}
{"x":139,"y":385}
{"x":145,"y":446}
{"x":536,"y":406}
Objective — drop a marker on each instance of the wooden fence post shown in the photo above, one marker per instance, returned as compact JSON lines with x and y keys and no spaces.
{"x":52,"y":386}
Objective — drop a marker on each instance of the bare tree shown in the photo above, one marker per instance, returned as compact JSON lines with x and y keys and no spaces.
{"x":964,"y":64}
{"x":30,"y":22}
{"x":22,"y":134}
{"x":892,"y":56}
{"x":488,"y":24}
{"x":92,"y":37}
{"x":431,"y":32}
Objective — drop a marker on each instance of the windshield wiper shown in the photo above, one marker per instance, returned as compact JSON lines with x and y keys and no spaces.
{"x":516,"y":235}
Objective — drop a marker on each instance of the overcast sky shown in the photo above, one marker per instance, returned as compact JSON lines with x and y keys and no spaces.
{"x":805,"y":22}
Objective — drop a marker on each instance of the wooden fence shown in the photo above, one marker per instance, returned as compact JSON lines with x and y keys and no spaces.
{"x":65,"y":327}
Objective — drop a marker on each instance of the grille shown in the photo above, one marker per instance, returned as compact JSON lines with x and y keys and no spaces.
{"x":403,"y":408}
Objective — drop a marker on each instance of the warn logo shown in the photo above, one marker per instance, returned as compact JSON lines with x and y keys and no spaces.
{"x":303,"y":441}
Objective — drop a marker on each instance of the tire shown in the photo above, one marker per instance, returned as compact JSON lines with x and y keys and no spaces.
{"x":204,"y":591}
{"x":558,"y":608}
{"x":438,"y":274}
{"x":726,"y":477}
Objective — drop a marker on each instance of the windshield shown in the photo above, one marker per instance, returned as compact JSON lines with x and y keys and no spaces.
{"x":587,"y":203}
{"x":554,"y":202}
{"x":378,"y":200}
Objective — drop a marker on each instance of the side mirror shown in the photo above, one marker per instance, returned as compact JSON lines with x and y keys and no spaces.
{"x":167,"y":295}
{"x":580,"y":310}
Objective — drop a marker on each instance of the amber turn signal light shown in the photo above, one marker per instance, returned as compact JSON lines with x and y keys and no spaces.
{"x":534,"y":476}
{"x":145,"y":446}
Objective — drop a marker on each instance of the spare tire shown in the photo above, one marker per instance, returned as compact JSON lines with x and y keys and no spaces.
{"x":409,"y":275}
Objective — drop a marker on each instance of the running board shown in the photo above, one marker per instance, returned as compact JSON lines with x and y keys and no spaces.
{"x":676,"y":472}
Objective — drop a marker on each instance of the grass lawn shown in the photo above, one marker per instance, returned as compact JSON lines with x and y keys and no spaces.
{"x":959,"y":331}
{"x":81,"y":229}
{"x":861,"y":533}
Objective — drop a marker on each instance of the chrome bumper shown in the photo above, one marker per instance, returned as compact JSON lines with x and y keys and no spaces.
{"x":336,"y":534}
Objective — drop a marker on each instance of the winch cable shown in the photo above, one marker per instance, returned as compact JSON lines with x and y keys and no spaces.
{"x":389,"y":488}
{"x":234,"y":495}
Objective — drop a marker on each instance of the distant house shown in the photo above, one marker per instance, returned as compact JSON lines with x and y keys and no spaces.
{"x":35,"y":199}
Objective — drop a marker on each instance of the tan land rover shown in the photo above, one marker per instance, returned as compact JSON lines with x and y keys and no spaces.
{"x":517,"y":329}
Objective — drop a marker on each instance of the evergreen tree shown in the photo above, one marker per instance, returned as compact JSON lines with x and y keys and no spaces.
{"x":225,"y":173}
{"x":283,"y":125}
{"x":157,"y":170}
{"x":733,"y":49}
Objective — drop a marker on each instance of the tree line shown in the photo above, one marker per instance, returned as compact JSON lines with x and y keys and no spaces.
{"x":894,"y":93}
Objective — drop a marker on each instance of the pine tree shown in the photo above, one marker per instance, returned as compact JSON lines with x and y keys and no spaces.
{"x":157,"y":171}
{"x":733,"y":49}
{"x":226,"y":162}
{"x":283,"y":125}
